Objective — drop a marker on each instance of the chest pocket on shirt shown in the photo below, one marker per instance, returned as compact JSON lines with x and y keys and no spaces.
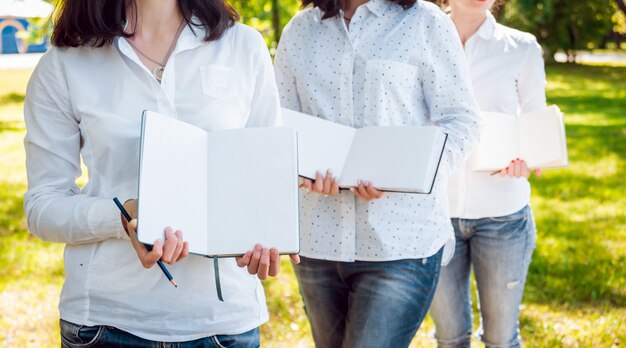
{"x":392,"y":91}
{"x":227,"y":101}
{"x":219,"y":81}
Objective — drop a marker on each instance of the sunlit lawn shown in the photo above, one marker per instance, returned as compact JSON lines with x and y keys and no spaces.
{"x":576,"y":290}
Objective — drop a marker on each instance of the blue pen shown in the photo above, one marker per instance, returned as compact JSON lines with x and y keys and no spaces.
{"x":160,"y":263}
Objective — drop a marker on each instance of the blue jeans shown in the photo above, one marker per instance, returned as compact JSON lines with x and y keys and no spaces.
{"x":80,"y":336}
{"x":367,"y":304}
{"x":500,"y":250}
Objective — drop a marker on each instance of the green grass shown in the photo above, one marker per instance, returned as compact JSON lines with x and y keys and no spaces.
{"x":576,"y":290}
{"x":33,"y":270}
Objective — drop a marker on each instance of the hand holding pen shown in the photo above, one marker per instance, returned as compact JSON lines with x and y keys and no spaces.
{"x":171,"y":251}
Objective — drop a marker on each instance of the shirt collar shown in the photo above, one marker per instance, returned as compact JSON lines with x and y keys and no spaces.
{"x":377,"y":7}
{"x":487,"y":30}
{"x":191,"y":38}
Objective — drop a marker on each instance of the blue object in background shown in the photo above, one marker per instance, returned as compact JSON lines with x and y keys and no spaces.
{"x":10,"y":43}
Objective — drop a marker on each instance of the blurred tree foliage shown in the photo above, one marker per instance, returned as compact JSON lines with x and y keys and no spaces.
{"x":267,"y":16}
{"x":620,"y":18}
{"x":38,"y":30}
{"x":559,"y":25}
{"x":564,"y":25}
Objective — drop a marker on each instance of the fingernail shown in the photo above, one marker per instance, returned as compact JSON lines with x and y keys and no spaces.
{"x":358,"y":182}
{"x":369,"y":183}
{"x":335,"y":179}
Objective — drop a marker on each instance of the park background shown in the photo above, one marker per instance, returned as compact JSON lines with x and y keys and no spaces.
{"x":576,"y":288}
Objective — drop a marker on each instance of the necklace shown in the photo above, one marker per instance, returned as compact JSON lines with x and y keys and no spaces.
{"x":157,"y":72}
{"x":348,"y":19}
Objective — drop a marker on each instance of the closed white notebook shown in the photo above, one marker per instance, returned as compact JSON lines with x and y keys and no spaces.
{"x":401,"y":159}
{"x":225,"y":190}
{"x":537,"y":137}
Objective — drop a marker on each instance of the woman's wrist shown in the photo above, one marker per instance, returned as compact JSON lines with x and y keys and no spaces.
{"x":131,"y":208}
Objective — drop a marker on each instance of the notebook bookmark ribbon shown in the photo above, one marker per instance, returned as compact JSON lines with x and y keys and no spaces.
{"x":216,"y":271}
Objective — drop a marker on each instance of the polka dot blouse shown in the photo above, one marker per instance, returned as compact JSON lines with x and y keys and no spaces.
{"x":391,"y":67}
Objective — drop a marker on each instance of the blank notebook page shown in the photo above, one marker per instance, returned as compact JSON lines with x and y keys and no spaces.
{"x":172,"y":190}
{"x":254,"y":192}
{"x":541,"y":135}
{"x":377,"y":150}
{"x":322,"y":144}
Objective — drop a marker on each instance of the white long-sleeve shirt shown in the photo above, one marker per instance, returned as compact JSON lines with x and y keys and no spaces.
{"x":508,"y":76}
{"x":87,"y":103}
{"x":393,"y":67}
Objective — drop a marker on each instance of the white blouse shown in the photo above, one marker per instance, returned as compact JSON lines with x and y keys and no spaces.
{"x":393,"y":67}
{"x":508,"y":76}
{"x":87,"y":103}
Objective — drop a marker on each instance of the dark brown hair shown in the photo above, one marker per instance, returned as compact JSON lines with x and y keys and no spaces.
{"x":331,"y":8}
{"x":98,"y":22}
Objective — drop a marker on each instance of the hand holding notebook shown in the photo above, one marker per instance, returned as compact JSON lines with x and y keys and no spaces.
{"x":329,"y":185}
{"x":227,"y":190}
{"x":537,"y":137}
{"x":518,"y":168}
{"x":402,"y":159}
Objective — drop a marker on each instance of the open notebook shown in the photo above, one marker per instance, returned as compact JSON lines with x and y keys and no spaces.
{"x":537,"y":137}
{"x":226,"y":190}
{"x":401,"y":159}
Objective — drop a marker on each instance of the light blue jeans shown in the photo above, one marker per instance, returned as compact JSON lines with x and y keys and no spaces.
{"x":499,"y":249}
{"x":367,"y":304}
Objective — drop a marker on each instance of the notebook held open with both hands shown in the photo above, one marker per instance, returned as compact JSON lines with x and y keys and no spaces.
{"x":226,"y":190}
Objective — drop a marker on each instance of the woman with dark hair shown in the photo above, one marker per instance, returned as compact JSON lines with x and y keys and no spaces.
{"x":372,"y":260}
{"x":112,"y":59}
{"x":492,"y":218}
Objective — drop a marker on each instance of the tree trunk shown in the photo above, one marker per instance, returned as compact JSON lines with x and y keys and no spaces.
{"x":276,"y":20}
{"x":604,"y":41}
{"x":571,"y":53}
{"x":622,"y":5}
{"x":548,"y":54}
